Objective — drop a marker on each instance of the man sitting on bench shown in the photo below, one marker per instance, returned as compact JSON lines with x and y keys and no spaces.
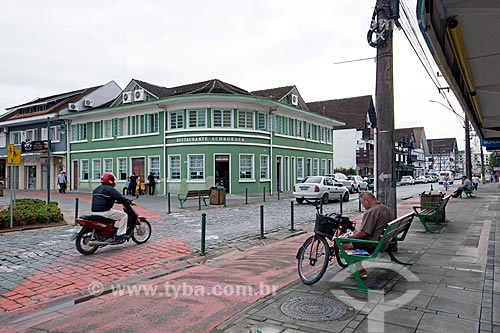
{"x":466,"y":185}
{"x":373,"y":224}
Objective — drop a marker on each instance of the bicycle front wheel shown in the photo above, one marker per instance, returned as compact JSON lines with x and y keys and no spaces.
{"x":313,"y":259}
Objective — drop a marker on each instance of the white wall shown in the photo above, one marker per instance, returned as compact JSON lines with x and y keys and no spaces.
{"x":344,"y":148}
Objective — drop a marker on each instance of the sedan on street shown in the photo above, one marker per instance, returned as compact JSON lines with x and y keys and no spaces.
{"x":359,"y":183}
{"x":407,"y":180}
{"x":320,"y":188}
{"x":421,"y":180}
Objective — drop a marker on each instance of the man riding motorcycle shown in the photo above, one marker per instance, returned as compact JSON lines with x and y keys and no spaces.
{"x":103,"y":199}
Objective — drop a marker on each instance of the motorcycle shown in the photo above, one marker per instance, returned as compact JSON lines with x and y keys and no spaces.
{"x":98,"y":231}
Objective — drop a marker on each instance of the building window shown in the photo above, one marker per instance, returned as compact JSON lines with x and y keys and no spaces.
{"x":315,"y":167}
{"x":151,"y":123}
{"x":246,"y":167}
{"x":264,"y":167}
{"x":196,"y":166}
{"x":78,"y":132}
{"x":323,"y":167}
{"x":108,"y":164}
{"x":97,"y":130}
{"x":122,"y":168}
{"x":245,"y":119}
{"x":3,"y":140}
{"x":120,"y":127}
{"x":322,"y":136}
{"x":16,"y":138}
{"x":84,"y":167}
{"x":309,"y":131}
{"x":177,"y":119}
{"x":174,"y":167}
{"x":154,"y":166}
{"x":262,"y":121}
{"x":222,"y":118}
{"x":197,"y":118}
{"x":107,"y":129}
{"x":328,"y":135}
{"x":300,"y":167}
{"x":96,"y":169}
{"x":299,"y":128}
{"x":32,"y":134}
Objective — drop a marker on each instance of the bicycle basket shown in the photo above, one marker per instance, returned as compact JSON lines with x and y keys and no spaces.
{"x":325,"y":226}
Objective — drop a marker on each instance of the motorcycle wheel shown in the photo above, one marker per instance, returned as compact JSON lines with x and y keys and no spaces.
{"x":81,"y":243}
{"x":141,"y":232}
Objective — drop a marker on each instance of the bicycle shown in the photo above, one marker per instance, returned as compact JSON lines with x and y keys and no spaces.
{"x":315,"y":254}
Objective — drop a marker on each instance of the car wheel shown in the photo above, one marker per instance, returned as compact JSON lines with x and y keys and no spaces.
{"x":345,"y":198}
{"x":325,"y":198}
{"x":299,"y":200}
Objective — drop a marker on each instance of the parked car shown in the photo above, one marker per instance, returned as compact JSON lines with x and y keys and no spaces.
{"x":359,"y":183}
{"x":341,"y":178}
{"x":407,"y":180}
{"x":371,"y":181}
{"x":320,"y":188}
{"x":421,"y":180}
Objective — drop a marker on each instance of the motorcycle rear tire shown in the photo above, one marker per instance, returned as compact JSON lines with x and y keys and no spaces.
{"x":81,"y":239}
{"x":141,"y":232}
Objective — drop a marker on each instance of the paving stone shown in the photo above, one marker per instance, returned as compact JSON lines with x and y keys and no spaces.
{"x":459,"y":294}
{"x":439,"y":324}
{"x":455,"y":307}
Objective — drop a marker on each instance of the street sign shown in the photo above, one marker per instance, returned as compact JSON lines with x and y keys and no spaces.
{"x":13,"y":155}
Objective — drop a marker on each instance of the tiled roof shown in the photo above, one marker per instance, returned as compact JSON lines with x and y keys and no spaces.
{"x":404,"y":134}
{"x":274,"y":93}
{"x":352,"y":111}
{"x":441,"y":145}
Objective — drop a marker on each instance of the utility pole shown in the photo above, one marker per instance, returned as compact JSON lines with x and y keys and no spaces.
{"x":468,"y":162}
{"x":384,"y":96}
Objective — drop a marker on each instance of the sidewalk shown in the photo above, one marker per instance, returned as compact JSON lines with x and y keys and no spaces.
{"x":450,"y":287}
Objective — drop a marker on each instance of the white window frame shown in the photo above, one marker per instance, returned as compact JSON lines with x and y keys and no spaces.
{"x":300,"y":168}
{"x":107,"y":129}
{"x":107,"y":165}
{"x":84,"y":165}
{"x":264,"y":167}
{"x":180,"y":119}
{"x":262,"y":121}
{"x":200,"y":118}
{"x":225,"y":118}
{"x":96,"y":169}
{"x":323,"y":167}
{"x":120,"y":163}
{"x":154,"y":164}
{"x":244,"y":171}
{"x":190,"y":167}
{"x":315,"y":167}
{"x":171,"y":167}
{"x":246,"y":119}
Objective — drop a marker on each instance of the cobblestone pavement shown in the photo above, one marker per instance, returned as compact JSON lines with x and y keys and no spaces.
{"x":42,"y":265}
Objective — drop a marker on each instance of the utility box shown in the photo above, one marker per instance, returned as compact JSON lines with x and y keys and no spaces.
{"x":431,"y":200}
{"x":217,"y":196}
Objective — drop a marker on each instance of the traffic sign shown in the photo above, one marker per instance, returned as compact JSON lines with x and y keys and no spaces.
{"x":13,"y":155}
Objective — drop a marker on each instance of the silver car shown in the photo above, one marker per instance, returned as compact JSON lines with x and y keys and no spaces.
{"x":320,"y":188}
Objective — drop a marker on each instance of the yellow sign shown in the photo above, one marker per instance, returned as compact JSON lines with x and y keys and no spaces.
{"x":13,"y":155}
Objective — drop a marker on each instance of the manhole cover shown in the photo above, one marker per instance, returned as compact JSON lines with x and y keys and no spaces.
{"x":313,"y":308}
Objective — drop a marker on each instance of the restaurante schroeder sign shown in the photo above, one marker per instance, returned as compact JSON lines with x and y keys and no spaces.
{"x":211,"y":139}
{"x":34,"y":146}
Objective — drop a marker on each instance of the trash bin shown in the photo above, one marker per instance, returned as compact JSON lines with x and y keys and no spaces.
{"x":217,"y":195}
{"x":1,"y":189}
{"x":431,"y":200}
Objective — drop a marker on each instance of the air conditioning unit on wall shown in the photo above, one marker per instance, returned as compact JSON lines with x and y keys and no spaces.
{"x":88,"y":103}
{"x":295,"y":100}
{"x":127,"y":97}
{"x":73,"y":106}
{"x":139,"y":95}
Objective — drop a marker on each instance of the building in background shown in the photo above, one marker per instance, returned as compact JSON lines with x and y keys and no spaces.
{"x":443,"y":154}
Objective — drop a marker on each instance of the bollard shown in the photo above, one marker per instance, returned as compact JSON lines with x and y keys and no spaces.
{"x":203,"y":227}
{"x":262,"y":222}
{"x":199,"y":200}
{"x":264,"y":194}
{"x":321,"y":206}
{"x":225,"y":198}
{"x":168,"y":202}
{"x":278,"y":194}
{"x":359,"y":201}
{"x":76,"y":209}
{"x":341,"y":204}
{"x":11,"y":211}
{"x":246,"y":195}
{"x":291,"y":216}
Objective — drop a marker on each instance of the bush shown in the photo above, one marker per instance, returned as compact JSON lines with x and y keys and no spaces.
{"x":31,"y":212}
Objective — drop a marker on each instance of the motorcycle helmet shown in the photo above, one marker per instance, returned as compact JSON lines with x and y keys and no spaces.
{"x":108,"y":178}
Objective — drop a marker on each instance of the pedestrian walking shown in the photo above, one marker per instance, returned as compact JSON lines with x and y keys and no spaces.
{"x":151,"y":183}
{"x":133,"y":183}
{"x":61,"y":181}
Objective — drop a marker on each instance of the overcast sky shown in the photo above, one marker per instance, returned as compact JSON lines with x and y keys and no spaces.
{"x":50,"y":47}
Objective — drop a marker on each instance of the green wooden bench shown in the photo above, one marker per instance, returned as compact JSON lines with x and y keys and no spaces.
{"x":430,"y":214}
{"x":194,"y":194}
{"x":395,"y":231}
{"x":468,"y":193}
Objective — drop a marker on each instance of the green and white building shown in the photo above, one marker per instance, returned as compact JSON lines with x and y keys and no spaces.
{"x":200,"y":135}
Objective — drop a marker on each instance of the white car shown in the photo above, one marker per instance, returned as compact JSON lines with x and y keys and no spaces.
{"x":359,"y":183}
{"x":320,"y":188}
{"x":341,"y":178}
{"x":421,"y":180}
{"x":407,"y":180}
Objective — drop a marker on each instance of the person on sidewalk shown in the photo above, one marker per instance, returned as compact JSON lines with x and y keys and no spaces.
{"x":133,"y":184}
{"x":466,"y":185}
{"x":61,"y":181}
{"x":151,"y":183}
{"x":103,"y":199}
{"x":373,"y":223}
{"x":475,"y":182}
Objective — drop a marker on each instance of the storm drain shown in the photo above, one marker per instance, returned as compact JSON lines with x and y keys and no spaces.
{"x":313,"y":308}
